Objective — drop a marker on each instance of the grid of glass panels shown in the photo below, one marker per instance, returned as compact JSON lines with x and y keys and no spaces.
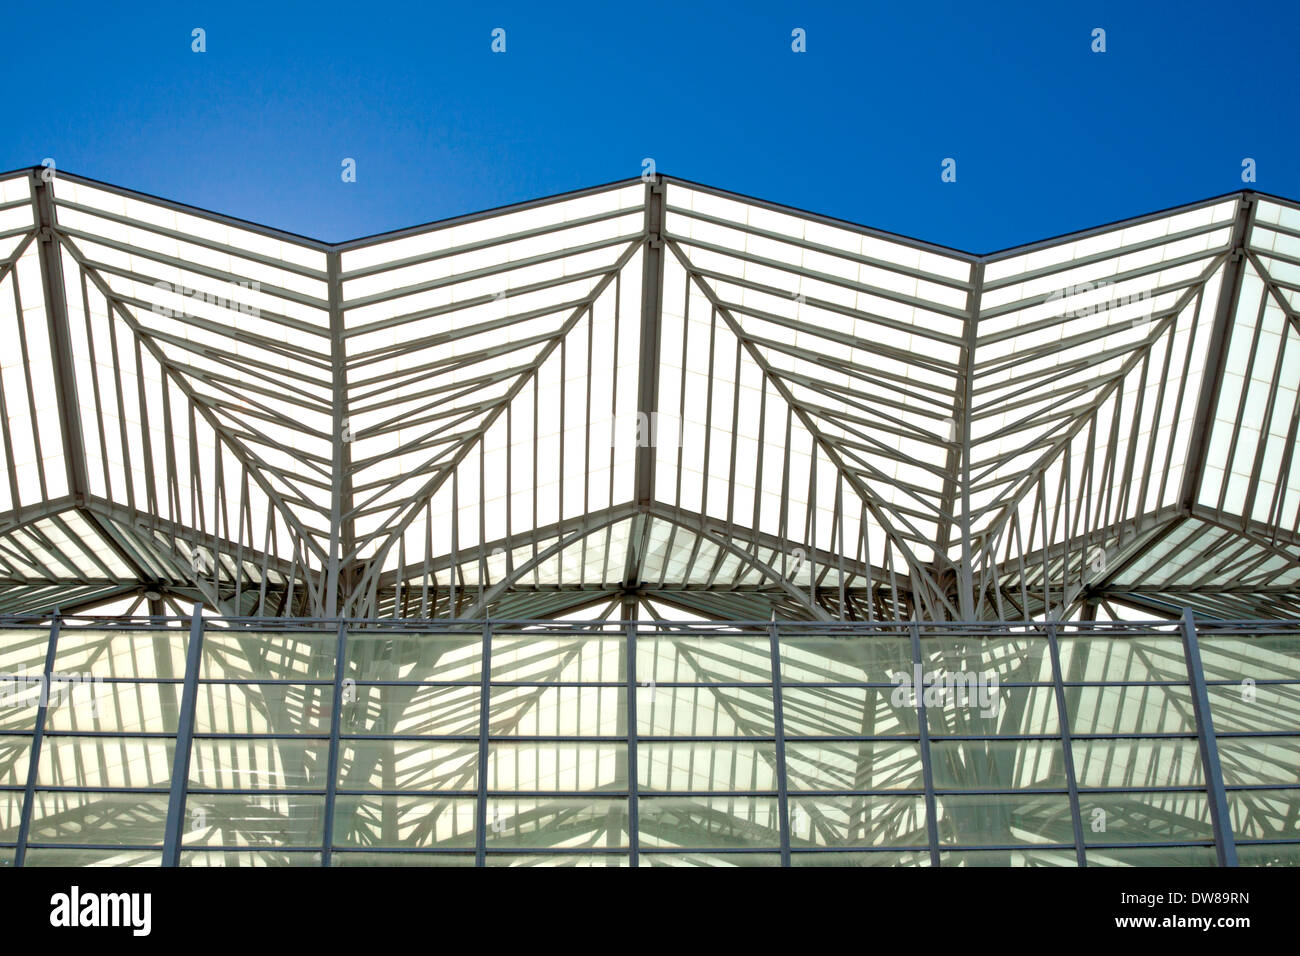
{"x":611,"y":743}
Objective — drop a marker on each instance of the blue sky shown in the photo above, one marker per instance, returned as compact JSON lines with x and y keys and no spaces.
{"x":1048,"y":136}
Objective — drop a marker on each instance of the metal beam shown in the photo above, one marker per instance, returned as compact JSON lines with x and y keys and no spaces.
{"x":175,"y":831}
{"x":1216,"y":357}
{"x":1224,"y":843}
{"x":56,"y":315}
{"x":652,"y":292}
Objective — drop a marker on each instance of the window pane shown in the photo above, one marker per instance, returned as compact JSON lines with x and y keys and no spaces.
{"x":263,"y":708}
{"x":407,"y":765}
{"x":557,"y":822}
{"x":713,"y":765}
{"x":548,"y":765}
{"x":746,"y":660}
{"x":114,"y":818}
{"x":1174,"y":817}
{"x":405,"y":821}
{"x":281,"y":655}
{"x":258,"y":820}
{"x":858,"y":821}
{"x":997,"y":765}
{"x":414,"y":657}
{"x":258,"y":764}
{"x":840,"y":660}
{"x":979,"y":820}
{"x":708,"y":822}
{"x":854,"y":765}
{"x":106,"y":761}
{"x":1166,"y":762}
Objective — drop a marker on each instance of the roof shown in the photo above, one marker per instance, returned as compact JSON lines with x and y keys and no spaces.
{"x":651,"y":391}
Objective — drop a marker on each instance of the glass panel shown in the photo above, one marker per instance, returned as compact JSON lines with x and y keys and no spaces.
{"x":1167,"y":762}
{"x":708,"y":822}
{"x":839,"y":660}
{"x":22,"y":675}
{"x":15,"y":752}
{"x":715,"y":711}
{"x":745,"y":660}
{"x":854,"y":765}
{"x":1009,"y":858}
{"x":111,"y":818}
{"x":11,"y":807}
{"x":710,"y":859}
{"x":546,"y":658}
{"x":981,"y":820}
{"x":858,"y":821}
{"x":116,"y":708}
{"x":1248,"y":761}
{"x":1154,"y":856}
{"x":249,"y":858}
{"x":846,"y":712}
{"x":1094,"y":658}
{"x":254,"y":819}
{"x":1255,"y":707}
{"x":265,"y":708}
{"x":557,"y":711}
{"x":547,"y":765}
{"x":985,"y":710}
{"x":258,"y":764}
{"x":348,"y":858}
{"x":1269,"y":854}
{"x":713,"y":765}
{"x":557,"y":822}
{"x":23,"y":650}
{"x":1130,"y":710}
{"x":879,"y":858}
{"x":278,"y":655}
{"x":415,"y":657}
{"x":1174,"y":817}
{"x":407,"y":765}
{"x":1020,"y":660}
{"x":122,"y":653}
{"x":997,"y":765}
{"x":1265,"y":814}
{"x":37,"y":856}
{"x":1267,"y":657}
{"x":415,"y":709}
{"x":558,"y":859}
{"x":366,"y":821}
{"x":106,"y":761}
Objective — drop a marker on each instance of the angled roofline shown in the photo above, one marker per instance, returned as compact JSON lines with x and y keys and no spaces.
{"x":421,"y":228}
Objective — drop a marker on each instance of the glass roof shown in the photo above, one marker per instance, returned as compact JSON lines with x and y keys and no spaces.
{"x":650,"y":387}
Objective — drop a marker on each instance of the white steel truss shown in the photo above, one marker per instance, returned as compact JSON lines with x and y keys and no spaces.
{"x":647,"y":390}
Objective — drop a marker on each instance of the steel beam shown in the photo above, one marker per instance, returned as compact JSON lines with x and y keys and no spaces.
{"x":175,"y":832}
{"x":1225,"y":846}
{"x":56,"y":315}
{"x":1216,"y":357}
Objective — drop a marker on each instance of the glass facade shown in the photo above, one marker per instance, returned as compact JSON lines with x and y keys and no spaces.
{"x":615,"y":743}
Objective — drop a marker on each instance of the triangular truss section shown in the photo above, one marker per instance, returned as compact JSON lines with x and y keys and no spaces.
{"x":646,"y":392}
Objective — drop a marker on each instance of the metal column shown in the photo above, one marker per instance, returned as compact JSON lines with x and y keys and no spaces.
{"x":927,"y":770}
{"x":332,"y":764}
{"x":1224,"y":843}
{"x":1067,"y":748}
{"x":184,"y":737}
{"x":778,"y":715}
{"x":38,"y":734}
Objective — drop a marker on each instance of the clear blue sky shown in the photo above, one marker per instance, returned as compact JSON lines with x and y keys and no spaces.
{"x":1048,"y":136}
